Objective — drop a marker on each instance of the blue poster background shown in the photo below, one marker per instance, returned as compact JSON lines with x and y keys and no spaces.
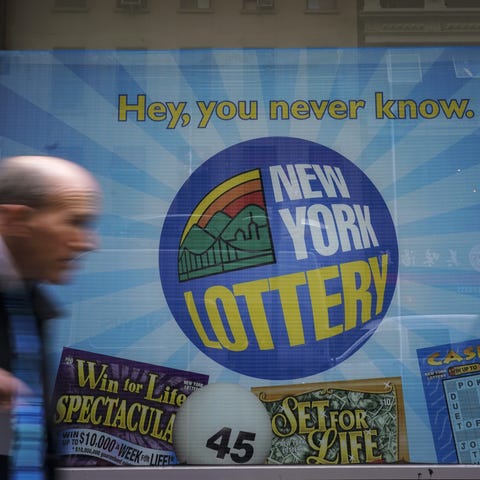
{"x":450,"y":380}
{"x":144,"y":122}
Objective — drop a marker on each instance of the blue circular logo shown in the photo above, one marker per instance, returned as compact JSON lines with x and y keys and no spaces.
{"x":278,"y":258}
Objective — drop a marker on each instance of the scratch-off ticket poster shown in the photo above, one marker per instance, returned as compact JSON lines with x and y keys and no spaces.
{"x":451,"y":379}
{"x":361,"y":421}
{"x":113,"y":411}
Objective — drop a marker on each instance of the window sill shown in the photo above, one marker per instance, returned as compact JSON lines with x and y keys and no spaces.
{"x":195,"y":10}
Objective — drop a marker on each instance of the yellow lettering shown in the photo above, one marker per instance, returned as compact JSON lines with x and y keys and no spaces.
{"x":322,"y":444}
{"x":432,"y":359}
{"x":225,"y":320}
{"x":287,"y":287}
{"x":74,"y":405}
{"x":84,"y":412}
{"x":124,"y":108}
{"x":452,"y":356}
{"x":285,"y":424}
{"x":252,"y":291}
{"x":321,"y":302}
{"x":222,"y":294}
{"x":197,"y":323}
{"x":300,"y":110}
{"x":338,"y":109}
{"x":94,"y":420}
{"x":379,"y":279}
{"x":157,"y":111}
{"x":356,"y":293}
{"x":370,"y":445}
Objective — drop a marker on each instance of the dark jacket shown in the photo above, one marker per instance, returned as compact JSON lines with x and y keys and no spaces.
{"x":43,"y":310}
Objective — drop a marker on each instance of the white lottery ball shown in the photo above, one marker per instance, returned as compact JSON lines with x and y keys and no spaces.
{"x":222,"y":423}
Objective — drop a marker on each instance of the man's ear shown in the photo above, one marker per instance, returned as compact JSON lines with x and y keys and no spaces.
{"x":14,"y":220}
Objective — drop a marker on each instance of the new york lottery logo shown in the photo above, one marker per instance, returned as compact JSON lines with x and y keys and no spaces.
{"x":228,"y":230}
{"x":278,"y":258}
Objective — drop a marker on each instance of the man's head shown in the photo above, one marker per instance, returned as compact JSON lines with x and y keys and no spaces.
{"x":47,"y":207}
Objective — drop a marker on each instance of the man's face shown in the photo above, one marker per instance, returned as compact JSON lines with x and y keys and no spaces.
{"x":58,"y":235}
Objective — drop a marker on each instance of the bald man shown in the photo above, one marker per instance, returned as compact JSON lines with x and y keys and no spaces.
{"x":47,"y":209}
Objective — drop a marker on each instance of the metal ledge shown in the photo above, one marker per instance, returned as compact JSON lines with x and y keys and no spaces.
{"x":272,"y":472}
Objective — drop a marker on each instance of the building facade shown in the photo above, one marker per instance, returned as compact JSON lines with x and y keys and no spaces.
{"x":186,"y":24}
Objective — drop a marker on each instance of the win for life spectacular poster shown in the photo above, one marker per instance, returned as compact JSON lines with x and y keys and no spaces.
{"x":271,"y":218}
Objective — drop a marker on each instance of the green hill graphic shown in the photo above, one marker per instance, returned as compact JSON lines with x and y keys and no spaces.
{"x":226,"y":244}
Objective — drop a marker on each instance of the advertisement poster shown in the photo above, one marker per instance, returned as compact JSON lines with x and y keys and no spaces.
{"x":451,"y":380}
{"x":270,"y":218}
{"x":359,"y":421}
{"x":111,"y":411}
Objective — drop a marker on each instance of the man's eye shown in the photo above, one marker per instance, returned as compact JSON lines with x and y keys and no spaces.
{"x":82,"y":222}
